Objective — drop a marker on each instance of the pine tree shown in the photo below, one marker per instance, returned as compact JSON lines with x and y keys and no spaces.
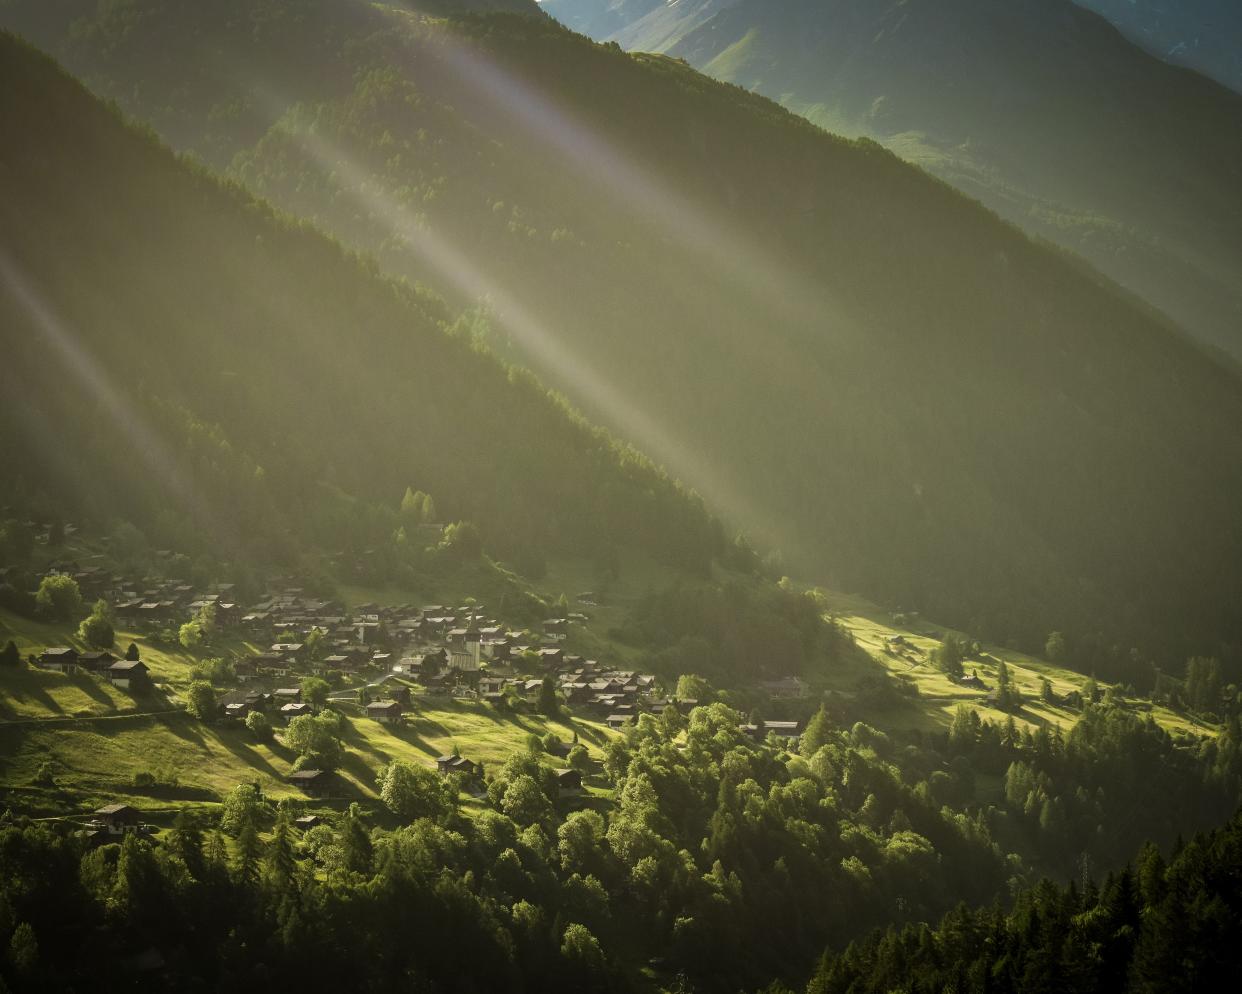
{"x":249,"y":849}
{"x":817,"y":735}
{"x":279,"y":864}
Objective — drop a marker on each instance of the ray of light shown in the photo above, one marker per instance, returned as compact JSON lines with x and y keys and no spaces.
{"x":85,"y":372}
{"x":458,"y":270}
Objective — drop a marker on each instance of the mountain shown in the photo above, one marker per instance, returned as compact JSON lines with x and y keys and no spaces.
{"x":599,"y":18}
{"x":870,"y":373}
{"x":638,"y":25}
{"x":180,"y":356}
{"x":1040,"y":110}
{"x":1204,"y":35}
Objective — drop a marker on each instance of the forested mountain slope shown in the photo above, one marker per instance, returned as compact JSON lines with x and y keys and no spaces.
{"x":856,"y":363}
{"x":1156,"y":926}
{"x":178,"y":356}
{"x":1041,"y":110}
{"x":1205,"y":35}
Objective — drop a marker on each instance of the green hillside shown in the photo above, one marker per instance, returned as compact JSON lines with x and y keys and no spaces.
{"x":237,"y":385}
{"x":863,"y":369}
{"x":1042,"y":111}
{"x":1204,"y":35}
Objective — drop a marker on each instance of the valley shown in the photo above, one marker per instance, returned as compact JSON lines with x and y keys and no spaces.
{"x":487,"y":508}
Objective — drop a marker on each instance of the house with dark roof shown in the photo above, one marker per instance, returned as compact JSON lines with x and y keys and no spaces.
{"x":62,"y":658}
{"x":117,"y":819}
{"x":294,"y":709}
{"x":457,"y":764}
{"x":131,"y":674}
{"x":568,"y":783}
{"x":310,"y":781}
{"x":97,"y":661}
{"x":386,"y":712}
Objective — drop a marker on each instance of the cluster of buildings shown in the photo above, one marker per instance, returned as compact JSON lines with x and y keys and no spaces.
{"x":131,"y":674}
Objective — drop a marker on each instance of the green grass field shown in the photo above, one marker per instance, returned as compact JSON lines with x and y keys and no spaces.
{"x":939,"y":696}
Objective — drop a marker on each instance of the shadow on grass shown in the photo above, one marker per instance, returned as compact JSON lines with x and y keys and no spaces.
{"x":22,"y":685}
{"x":248,"y":754}
{"x":356,"y":766}
{"x":409,"y":734}
{"x":92,"y":688}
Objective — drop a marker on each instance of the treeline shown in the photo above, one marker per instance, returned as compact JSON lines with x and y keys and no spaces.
{"x":1116,"y":780}
{"x":179,"y":356}
{"x":735,"y":632}
{"x":1153,"y":926}
{"x":724,"y":864}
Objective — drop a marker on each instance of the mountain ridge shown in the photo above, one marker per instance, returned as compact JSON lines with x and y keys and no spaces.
{"x":911,"y":399}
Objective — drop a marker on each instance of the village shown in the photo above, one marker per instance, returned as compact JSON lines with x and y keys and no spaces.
{"x":293,"y":654}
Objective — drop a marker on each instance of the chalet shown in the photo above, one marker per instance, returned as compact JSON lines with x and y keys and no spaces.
{"x":257,"y":621}
{"x":783,"y":729}
{"x":559,"y":749}
{"x":228,"y":613}
{"x":339,"y":661}
{"x":491,"y":685}
{"x":310,"y":781}
{"x":551,"y":658}
{"x":117,"y":819}
{"x":973,"y":682}
{"x":287,"y":695}
{"x":386,"y":712}
{"x":457,"y":764}
{"x":618,"y":721}
{"x":270,"y":664}
{"x":568,"y":783}
{"x":556,"y":628}
{"x":292,"y":651}
{"x":307,"y":822}
{"x":238,"y":710}
{"x":465,"y":659}
{"x":96,"y":662}
{"x":128,"y":673}
{"x":64,"y":659}
{"x":604,"y":703}
{"x":294,"y":709}
{"x":500,"y":649}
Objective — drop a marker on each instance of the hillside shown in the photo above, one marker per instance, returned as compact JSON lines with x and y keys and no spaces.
{"x":180,"y":357}
{"x":1040,"y":110}
{"x":1204,"y":35}
{"x":871,"y":374}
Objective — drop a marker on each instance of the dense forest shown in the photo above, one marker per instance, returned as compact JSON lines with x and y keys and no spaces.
{"x":934,"y":410}
{"x":1005,"y":100}
{"x":725,"y":863}
{"x":180,"y":357}
{"x":1158,"y":924}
